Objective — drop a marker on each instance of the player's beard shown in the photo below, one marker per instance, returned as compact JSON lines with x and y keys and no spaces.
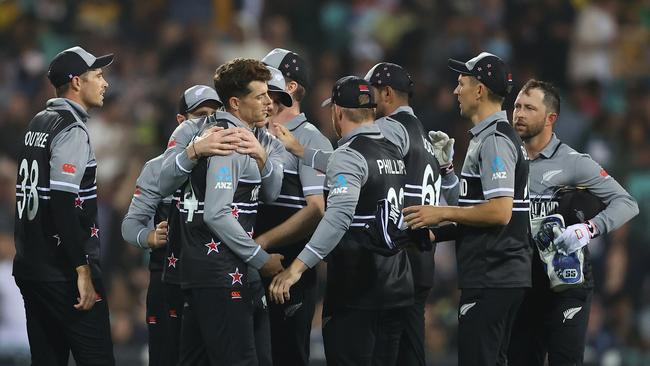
{"x":531,"y":130}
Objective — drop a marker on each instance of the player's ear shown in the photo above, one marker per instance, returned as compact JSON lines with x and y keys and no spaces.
{"x":291,"y":87}
{"x":75,"y":83}
{"x":234,"y":102}
{"x":180,"y":118}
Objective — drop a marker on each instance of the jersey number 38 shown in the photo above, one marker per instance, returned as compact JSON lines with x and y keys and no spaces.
{"x":28,"y":197}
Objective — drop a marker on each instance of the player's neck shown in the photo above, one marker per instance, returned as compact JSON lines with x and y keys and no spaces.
{"x":77,"y":99}
{"x":484,"y":110}
{"x":287,"y":115}
{"x":238,"y":116}
{"x":394,"y":106}
{"x":537,"y":143}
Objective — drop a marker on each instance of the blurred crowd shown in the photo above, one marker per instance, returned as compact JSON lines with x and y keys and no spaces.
{"x":597,"y":52}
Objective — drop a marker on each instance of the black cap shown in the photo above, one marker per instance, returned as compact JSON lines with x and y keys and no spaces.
{"x":389,"y":74}
{"x":74,"y":62}
{"x":290,"y":64}
{"x":351,"y":92}
{"x":488,"y":69}
{"x":195,"y":96}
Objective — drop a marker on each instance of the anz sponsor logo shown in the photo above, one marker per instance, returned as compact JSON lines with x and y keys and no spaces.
{"x":498,"y":169}
{"x":224,"y":178}
{"x":543,"y":208}
{"x":340,"y":186}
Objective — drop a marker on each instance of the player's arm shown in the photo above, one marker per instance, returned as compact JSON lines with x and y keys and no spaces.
{"x":177,"y":162}
{"x":498,"y":159}
{"x":69,"y":154}
{"x":620,"y":206}
{"x":136,"y":225}
{"x":185,"y":148}
{"x":450,"y":187}
{"x":304,"y":222}
{"x":346,"y":174}
{"x":315,"y":158}
{"x":273,"y":172}
{"x":218,"y":217}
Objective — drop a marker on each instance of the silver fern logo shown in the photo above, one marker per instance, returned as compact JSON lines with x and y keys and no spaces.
{"x":465,"y":308}
{"x":570,"y":313}
{"x":550,"y":174}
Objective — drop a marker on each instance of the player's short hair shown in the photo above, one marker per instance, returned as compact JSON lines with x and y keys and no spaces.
{"x":232,"y":78}
{"x":551,"y":95}
{"x":358,"y":115}
{"x":63,"y":89}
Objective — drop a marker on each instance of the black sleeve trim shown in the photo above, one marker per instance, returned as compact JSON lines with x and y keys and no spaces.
{"x":445,"y":232}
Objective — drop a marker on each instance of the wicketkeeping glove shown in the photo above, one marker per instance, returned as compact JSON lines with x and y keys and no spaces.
{"x":443,"y":147}
{"x":574,"y":237}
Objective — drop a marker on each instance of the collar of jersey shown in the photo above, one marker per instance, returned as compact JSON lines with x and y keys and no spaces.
{"x":500,"y":115}
{"x":76,"y":107}
{"x":231,"y":119}
{"x":295,"y":122}
{"x":551,"y":147}
{"x":404,"y":108}
{"x":372,"y":128}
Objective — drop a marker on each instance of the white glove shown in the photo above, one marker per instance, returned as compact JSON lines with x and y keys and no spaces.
{"x":571,"y":239}
{"x":443,"y":147}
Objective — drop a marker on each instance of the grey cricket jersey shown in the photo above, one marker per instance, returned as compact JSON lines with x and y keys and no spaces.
{"x":177,"y":165}
{"x":496,"y":165}
{"x":299,"y":182}
{"x":559,"y":165}
{"x":147,"y":209}
{"x":396,"y":133}
{"x":138,"y":221}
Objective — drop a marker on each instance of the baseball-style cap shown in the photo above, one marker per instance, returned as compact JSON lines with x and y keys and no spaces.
{"x":290,"y":64}
{"x":277,"y":85}
{"x":195,"y":96}
{"x":390,"y":74}
{"x":488,"y":69}
{"x":351,"y":92}
{"x":74,"y":62}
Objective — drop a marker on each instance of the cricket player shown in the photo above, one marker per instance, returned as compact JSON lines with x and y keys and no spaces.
{"x":56,"y":232}
{"x":492,"y":247}
{"x":552,"y":321}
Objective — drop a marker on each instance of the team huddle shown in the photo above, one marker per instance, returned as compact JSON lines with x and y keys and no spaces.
{"x":249,"y":197}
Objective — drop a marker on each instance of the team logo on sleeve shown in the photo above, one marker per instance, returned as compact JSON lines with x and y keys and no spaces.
{"x":224,"y":178}
{"x":498,"y":169}
{"x":69,"y":169}
{"x":340,"y":185}
{"x":171,"y":143}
